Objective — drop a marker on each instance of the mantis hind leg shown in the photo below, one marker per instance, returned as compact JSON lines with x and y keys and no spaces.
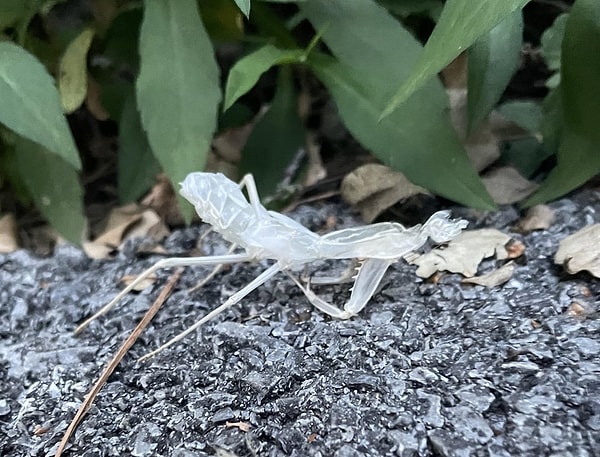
{"x":235,"y":298}
{"x":165,"y":263}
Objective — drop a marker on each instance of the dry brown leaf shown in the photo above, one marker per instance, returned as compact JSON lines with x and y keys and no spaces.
{"x":243,"y":426}
{"x":150,"y":225}
{"x":538,"y":217}
{"x":455,"y":73}
{"x":464,"y":253}
{"x":97,"y":250}
{"x":144,"y":284}
{"x":163,"y":200}
{"x":514,"y":248}
{"x":482,"y":145}
{"x":124,"y":223}
{"x":493,"y":278}
{"x":93,"y":101}
{"x":8,"y":234}
{"x":506,"y":185}
{"x":581,"y":251}
{"x":228,"y":144}
{"x":580,"y":311}
{"x":315,"y":171}
{"x":373,"y":188}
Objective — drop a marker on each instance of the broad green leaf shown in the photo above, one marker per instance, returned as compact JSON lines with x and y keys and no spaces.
{"x":375,"y":51}
{"x":72,"y":79}
{"x":54,"y":186}
{"x":578,"y":161}
{"x":236,"y":116}
{"x":407,"y":7}
{"x":552,"y":119}
{"x":11,"y":11}
{"x":551,"y":41}
{"x":275,"y":139}
{"x":579,"y":143}
{"x":525,"y":154}
{"x":136,"y":165}
{"x":121,"y":49}
{"x":178,"y":87}
{"x":246,"y":71}
{"x":244,"y":6}
{"x":526,"y":114}
{"x":31,"y":105}
{"x":493,"y":60}
{"x":433,"y":159}
{"x":222,"y":20}
{"x":580,"y":69}
{"x":551,"y":48}
{"x":462,"y":22}
{"x":9,"y":170}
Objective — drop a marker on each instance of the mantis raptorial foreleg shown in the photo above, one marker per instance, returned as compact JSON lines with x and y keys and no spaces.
{"x":347,"y":275}
{"x":367,"y":280}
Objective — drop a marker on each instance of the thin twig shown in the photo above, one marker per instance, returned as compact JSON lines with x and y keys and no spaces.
{"x":114,"y":362}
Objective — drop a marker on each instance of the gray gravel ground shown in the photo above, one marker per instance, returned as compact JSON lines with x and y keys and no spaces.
{"x":426,"y":369}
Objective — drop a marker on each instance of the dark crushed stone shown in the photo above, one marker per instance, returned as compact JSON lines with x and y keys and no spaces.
{"x":425,"y":370}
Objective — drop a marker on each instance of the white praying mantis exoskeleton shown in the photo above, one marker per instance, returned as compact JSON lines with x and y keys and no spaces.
{"x":264,"y":234}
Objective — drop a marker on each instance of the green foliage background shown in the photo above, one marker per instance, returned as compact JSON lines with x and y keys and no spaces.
{"x":383,"y":81}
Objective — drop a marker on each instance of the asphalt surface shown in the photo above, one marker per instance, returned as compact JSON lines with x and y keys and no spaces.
{"x":426,"y":369}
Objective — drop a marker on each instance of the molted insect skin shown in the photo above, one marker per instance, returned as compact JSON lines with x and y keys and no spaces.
{"x":220,"y":203}
{"x":441,"y":229}
{"x":263,"y":234}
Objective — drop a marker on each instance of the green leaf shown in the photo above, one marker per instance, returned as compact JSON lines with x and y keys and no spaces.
{"x":374,"y":52}
{"x":31,"y":104}
{"x":525,"y":154}
{"x":244,"y":6}
{"x":578,"y":161}
{"x":551,"y":41}
{"x":246,"y":71}
{"x":72,"y":80}
{"x":178,"y":87}
{"x":580,"y":85}
{"x":579,"y":143}
{"x":121,"y":51}
{"x":493,"y":60}
{"x":11,"y":11}
{"x":54,"y":186}
{"x":136,"y":165}
{"x":275,"y":139}
{"x":462,"y":22}
{"x":552,"y":119}
{"x":222,"y":20}
{"x":526,"y":114}
{"x":405,"y":8}
{"x":434,"y":159}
